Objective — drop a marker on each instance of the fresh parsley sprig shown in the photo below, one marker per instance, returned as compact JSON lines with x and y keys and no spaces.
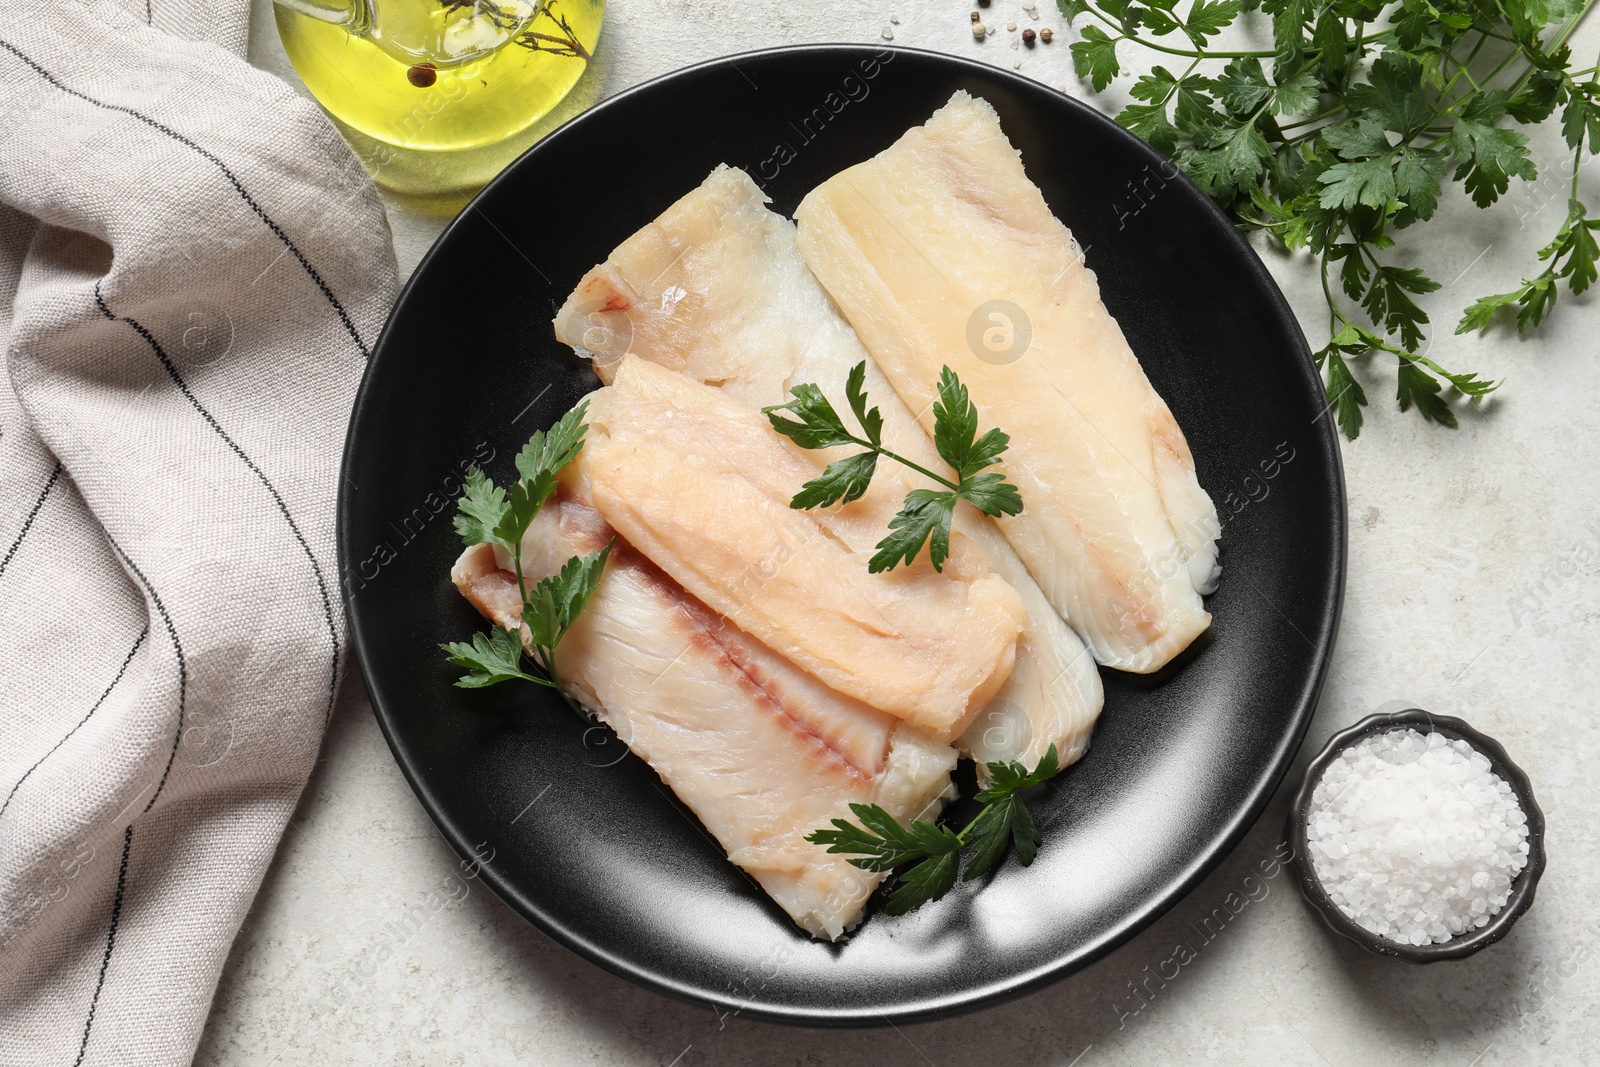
{"x":927,"y":854}
{"x":925,"y":518}
{"x":488,"y":514}
{"x":1346,"y":131}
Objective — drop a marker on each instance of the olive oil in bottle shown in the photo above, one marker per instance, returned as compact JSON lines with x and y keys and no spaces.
{"x":438,"y":75}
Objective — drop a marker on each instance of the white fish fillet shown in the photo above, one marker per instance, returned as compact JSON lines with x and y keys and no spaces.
{"x":912,"y":244}
{"x":716,"y":289}
{"x":759,"y":750}
{"x":700,"y":485}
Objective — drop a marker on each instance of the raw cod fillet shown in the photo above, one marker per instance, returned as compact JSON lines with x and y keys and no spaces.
{"x":911,"y":244}
{"x":759,"y":750}
{"x":700,"y":485}
{"x":716,"y":289}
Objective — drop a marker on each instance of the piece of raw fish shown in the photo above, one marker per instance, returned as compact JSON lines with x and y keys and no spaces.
{"x":940,"y":251}
{"x":758,"y":749}
{"x":700,"y":485}
{"x":716,"y":289}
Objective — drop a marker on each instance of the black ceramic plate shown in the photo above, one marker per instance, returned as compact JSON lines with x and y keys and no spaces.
{"x":582,"y":838}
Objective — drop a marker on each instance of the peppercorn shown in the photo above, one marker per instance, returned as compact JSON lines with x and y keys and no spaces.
{"x":1046,"y":34}
{"x":979,"y":31}
{"x":983,"y":3}
{"x":422,"y":75}
{"x":974,"y":16}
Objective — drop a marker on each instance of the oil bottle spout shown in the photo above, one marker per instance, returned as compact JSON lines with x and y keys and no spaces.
{"x":353,"y":15}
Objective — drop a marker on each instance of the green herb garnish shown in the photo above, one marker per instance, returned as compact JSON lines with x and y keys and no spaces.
{"x":930,"y":853}
{"x":495,"y":516}
{"x":926,"y":515}
{"x":1346,"y":131}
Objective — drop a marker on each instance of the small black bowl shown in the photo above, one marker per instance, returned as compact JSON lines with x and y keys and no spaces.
{"x":1522,"y":887}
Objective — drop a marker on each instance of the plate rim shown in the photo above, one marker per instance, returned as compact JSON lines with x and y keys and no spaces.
{"x":970,"y":999}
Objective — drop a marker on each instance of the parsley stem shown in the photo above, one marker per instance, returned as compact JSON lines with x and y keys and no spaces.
{"x":919,"y":468}
{"x":1467,"y":97}
{"x":1550,"y":47}
{"x":516,"y":562}
{"x":1191,"y":53}
{"x":1357,"y":50}
{"x":1327,"y":294}
{"x":1462,"y":65}
{"x":1566,"y":31}
{"x":1122,"y":35}
{"x":1328,"y":114}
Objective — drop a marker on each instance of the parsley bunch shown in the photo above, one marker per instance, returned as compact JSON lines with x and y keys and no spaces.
{"x":926,"y":516}
{"x":495,"y":516}
{"x":930,"y":853}
{"x":1346,"y":131}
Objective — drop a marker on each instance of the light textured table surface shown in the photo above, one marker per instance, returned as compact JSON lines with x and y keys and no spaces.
{"x":353,"y":955}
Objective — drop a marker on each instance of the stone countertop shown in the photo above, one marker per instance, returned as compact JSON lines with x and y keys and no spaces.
{"x":1474,"y":590}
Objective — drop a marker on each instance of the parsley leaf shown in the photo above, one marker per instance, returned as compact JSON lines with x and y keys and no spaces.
{"x":928,"y":880}
{"x":842,"y":481}
{"x":492,"y":657}
{"x":555,"y":603}
{"x":487,"y":514}
{"x":1357,"y":139}
{"x":1345,"y":396}
{"x":926,"y":515}
{"x":1388,"y":303}
{"x":1393,"y":95}
{"x":991,"y":494}
{"x":481,"y":508}
{"x":1295,"y":95}
{"x":1417,"y":387}
{"x":547,"y":452}
{"x":854,"y":390}
{"x":819,"y":425}
{"x":1005,"y":817}
{"x":1582,"y":115}
{"x":925,"y":519}
{"x":1289,"y":18}
{"x":926,"y":855}
{"x":1370,"y":182}
{"x":881,"y":843}
{"x":1150,"y":122}
{"x":1489,"y":158}
{"x":1095,"y":57}
{"x":1207,"y":18}
{"x":1573,"y":255}
{"x":1243,"y":85}
{"x":1416,"y":182}
{"x":1351,"y":127}
{"x":955,"y":425}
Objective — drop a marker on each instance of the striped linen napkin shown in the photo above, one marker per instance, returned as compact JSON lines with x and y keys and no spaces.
{"x":193,"y":269}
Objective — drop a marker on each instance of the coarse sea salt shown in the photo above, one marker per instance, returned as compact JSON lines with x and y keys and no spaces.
{"x":1414,"y":837}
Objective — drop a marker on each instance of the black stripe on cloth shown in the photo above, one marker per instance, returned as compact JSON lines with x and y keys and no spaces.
{"x":27,"y":524}
{"x":111,"y":942}
{"x":183,"y":664}
{"x":120,"y":672}
{"x":283,"y":509}
{"x":233,"y":180}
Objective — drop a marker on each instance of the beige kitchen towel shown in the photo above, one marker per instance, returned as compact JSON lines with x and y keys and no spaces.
{"x":193,"y":269}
